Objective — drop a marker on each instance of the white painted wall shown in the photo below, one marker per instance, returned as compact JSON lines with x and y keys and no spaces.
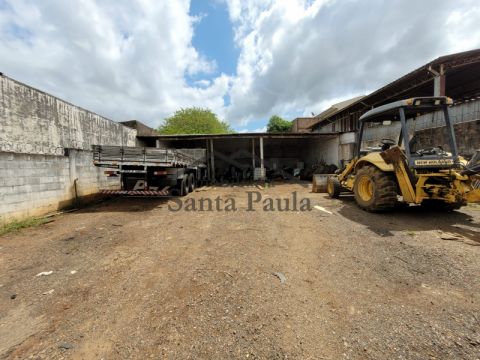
{"x":329,"y":150}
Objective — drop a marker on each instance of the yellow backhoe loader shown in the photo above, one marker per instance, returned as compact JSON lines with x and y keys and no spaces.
{"x":395,"y":172}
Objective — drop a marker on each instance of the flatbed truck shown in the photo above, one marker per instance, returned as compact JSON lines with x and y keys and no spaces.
{"x":147,"y":171}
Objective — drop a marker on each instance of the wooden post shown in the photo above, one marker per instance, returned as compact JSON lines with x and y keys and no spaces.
{"x":262,"y":168}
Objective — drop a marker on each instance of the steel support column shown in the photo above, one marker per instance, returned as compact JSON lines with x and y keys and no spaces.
{"x":207,"y":155}
{"x":262,"y":167}
{"x":253,"y":154}
{"x":438,"y":81}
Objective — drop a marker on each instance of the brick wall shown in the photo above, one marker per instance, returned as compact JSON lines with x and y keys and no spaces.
{"x":430,"y":129}
{"x":303,"y":124}
{"x":45,"y":150}
{"x":467,"y":135}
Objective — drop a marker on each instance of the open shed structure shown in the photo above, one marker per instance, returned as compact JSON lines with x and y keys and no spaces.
{"x":456,"y":75}
{"x":237,"y":156}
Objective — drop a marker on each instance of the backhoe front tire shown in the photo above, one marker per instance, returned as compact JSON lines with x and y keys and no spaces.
{"x":374,"y":189}
{"x":333,"y":187}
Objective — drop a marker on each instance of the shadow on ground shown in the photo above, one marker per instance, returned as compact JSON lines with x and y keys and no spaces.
{"x":125,"y":204}
{"x":411,"y":219}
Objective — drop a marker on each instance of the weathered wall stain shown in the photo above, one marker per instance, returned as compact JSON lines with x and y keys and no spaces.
{"x":37,"y":172}
{"x":35,"y":122}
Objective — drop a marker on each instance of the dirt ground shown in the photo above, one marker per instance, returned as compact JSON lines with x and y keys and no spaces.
{"x":132,"y":279}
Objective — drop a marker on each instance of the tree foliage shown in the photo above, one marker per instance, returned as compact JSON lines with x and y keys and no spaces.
{"x":194,"y":121}
{"x":277,"y":124}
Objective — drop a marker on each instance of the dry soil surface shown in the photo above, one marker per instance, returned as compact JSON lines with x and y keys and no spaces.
{"x":132,"y":279}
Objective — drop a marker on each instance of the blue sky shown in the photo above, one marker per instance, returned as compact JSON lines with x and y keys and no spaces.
{"x":246,"y":60}
{"x":214,"y":39}
{"x":213,"y":34}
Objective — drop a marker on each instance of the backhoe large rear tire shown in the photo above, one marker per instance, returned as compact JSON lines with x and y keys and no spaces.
{"x":374,"y":189}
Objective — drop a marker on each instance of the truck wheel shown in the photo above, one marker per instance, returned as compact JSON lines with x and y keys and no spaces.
{"x":179,"y":190}
{"x":374,"y":189}
{"x":185,"y":187}
{"x":333,"y":187}
{"x":191,"y":183}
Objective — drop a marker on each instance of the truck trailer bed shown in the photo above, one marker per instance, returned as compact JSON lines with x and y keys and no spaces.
{"x":114,"y":156}
{"x":146,"y":171}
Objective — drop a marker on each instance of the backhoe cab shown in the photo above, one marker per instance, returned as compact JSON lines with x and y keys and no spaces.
{"x":401,"y":170}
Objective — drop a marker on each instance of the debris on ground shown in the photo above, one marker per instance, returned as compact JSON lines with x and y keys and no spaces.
{"x":279,"y":275}
{"x":44,"y":273}
{"x":137,"y":293}
{"x":456,"y":237}
{"x":322,"y":209}
{"x":449,"y":236}
{"x":66,"y":346}
{"x":49,"y":292}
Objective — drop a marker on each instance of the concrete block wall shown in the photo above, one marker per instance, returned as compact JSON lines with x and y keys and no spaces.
{"x":34,"y":184}
{"x":45,"y":150}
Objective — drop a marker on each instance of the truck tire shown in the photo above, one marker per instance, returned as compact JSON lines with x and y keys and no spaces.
{"x":184,"y":186}
{"x":191,"y":183}
{"x":179,"y":190}
{"x":374,"y":189}
{"x":333,"y":187}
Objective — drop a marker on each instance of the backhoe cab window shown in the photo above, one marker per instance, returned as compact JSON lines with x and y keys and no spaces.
{"x":421,"y":138}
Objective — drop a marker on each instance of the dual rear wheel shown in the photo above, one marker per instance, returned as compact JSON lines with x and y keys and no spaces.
{"x":186,"y":185}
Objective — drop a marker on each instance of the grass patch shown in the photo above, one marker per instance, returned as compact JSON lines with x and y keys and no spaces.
{"x":22,"y":224}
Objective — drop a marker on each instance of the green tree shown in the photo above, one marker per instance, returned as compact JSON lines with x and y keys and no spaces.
{"x":194,"y":121}
{"x":277,"y":124}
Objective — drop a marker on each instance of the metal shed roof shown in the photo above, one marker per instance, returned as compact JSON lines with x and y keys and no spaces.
{"x":238,"y":136}
{"x":463,"y":82}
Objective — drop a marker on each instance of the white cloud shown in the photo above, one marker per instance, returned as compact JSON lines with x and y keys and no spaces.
{"x":257,"y":130}
{"x":128,"y":60}
{"x":122,"y":59}
{"x":299,"y":54}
